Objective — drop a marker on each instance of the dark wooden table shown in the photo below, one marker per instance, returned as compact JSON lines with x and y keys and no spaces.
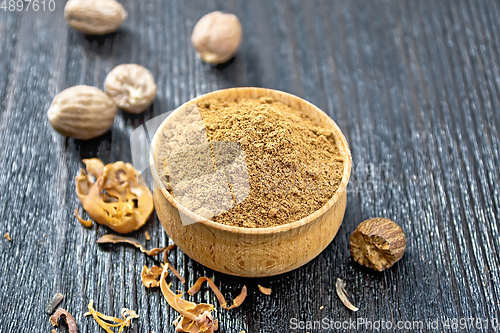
{"x":415,"y":87}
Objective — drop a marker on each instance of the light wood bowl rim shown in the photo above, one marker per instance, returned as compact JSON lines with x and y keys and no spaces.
{"x":262,"y":92}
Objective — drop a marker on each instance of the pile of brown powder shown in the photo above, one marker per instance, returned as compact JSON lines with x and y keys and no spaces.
{"x":294,"y":166}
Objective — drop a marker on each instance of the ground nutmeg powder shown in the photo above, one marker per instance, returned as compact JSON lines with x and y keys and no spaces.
{"x":294,"y":166}
{"x":250,"y":162}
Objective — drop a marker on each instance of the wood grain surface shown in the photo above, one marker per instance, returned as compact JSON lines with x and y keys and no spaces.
{"x":414,"y":86}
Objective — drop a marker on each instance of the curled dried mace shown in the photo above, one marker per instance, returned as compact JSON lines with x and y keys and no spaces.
{"x":85,"y":223}
{"x":172,"y":268}
{"x":264,"y":290}
{"x":342,"y":294}
{"x":165,"y":253}
{"x":107,"y":321}
{"x":194,"y":317}
{"x":150,"y":276}
{"x":115,"y":239}
{"x":70,"y":320}
{"x":176,"y":273}
{"x":236,"y":302}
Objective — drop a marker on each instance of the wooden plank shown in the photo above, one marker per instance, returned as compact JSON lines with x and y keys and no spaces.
{"x":414,"y":85}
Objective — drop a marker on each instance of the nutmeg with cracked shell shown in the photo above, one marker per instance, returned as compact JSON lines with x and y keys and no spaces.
{"x":82,"y":112}
{"x":377,"y":243}
{"x":116,"y":199}
{"x":131,"y":86}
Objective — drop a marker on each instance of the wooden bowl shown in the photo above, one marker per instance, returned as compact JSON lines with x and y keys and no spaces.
{"x":251,"y":252}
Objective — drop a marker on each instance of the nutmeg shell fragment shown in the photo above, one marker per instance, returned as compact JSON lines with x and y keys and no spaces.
{"x":377,"y":243}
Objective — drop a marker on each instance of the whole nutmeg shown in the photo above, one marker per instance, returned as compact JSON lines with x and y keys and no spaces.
{"x":377,"y":243}
{"x":131,"y":86}
{"x":216,"y":37}
{"x":94,"y":17}
{"x":82,"y":112}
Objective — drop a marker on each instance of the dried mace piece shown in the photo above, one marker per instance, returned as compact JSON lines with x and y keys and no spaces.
{"x":82,"y":112}
{"x":85,"y":223}
{"x":236,"y":302}
{"x":264,"y":290}
{"x":193,"y":317}
{"x":107,"y":321}
{"x":342,"y":294}
{"x":377,"y":243}
{"x":131,"y":86}
{"x":150,"y":277}
{"x":116,"y":199}
{"x":216,"y":37}
{"x":94,"y":17}
{"x":70,"y":320}
{"x":115,"y":239}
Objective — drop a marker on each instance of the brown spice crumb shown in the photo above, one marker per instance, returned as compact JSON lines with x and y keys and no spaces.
{"x":70,"y":320}
{"x":7,"y":237}
{"x":294,"y":166}
{"x":264,"y":290}
{"x":148,"y":237}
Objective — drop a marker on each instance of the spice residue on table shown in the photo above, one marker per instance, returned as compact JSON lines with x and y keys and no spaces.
{"x":294,"y":165}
